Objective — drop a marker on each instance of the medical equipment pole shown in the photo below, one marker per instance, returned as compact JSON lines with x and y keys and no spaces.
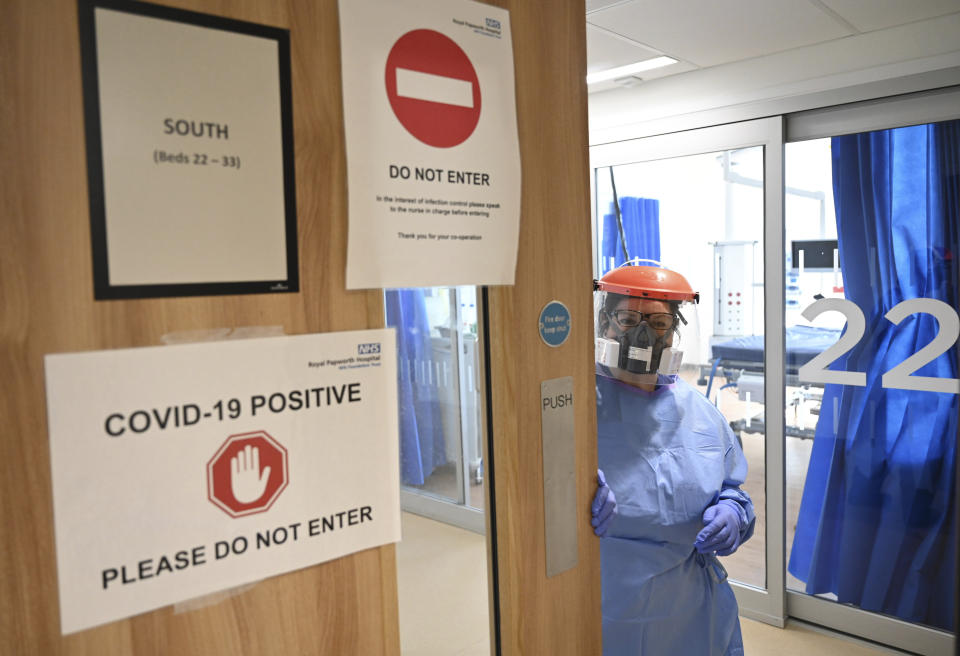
{"x":616,"y":208}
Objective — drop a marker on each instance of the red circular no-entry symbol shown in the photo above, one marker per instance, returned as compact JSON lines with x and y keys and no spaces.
{"x":433,"y":88}
{"x":247,"y":474}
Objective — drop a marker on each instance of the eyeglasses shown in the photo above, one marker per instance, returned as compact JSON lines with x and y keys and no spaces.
{"x":656,"y":320}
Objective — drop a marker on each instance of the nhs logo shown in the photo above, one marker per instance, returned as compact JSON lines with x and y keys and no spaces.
{"x":493,"y":23}
{"x":368,"y":349}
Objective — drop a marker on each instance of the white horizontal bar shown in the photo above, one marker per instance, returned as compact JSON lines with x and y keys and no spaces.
{"x":630,"y":69}
{"x":434,"y":88}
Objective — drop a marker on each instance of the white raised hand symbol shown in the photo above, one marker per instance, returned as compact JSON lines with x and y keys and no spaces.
{"x":246,"y":480}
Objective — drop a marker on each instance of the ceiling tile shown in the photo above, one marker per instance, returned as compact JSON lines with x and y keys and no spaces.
{"x":594,"y":5}
{"x":708,"y":33}
{"x":606,"y":50}
{"x":870,"y":15}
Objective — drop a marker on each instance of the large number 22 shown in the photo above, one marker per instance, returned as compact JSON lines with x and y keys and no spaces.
{"x":815,"y":371}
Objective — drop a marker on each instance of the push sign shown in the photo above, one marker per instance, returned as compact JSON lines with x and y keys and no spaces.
{"x":554,"y":323}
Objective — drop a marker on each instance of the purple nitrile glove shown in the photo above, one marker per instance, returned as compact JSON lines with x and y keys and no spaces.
{"x":604,"y":506}
{"x":721,"y":531}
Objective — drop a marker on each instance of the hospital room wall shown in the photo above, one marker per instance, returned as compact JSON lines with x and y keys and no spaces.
{"x":682,"y":248}
{"x":807,"y":171}
{"x":697,"y":208}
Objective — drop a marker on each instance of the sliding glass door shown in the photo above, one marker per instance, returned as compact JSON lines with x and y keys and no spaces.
{"x":826,"y":248}
{"x":706,"y":204}
{"x":872,"y":297}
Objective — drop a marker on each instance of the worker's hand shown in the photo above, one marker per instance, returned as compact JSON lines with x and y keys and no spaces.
{"x":721,"y":531}
{"x":604,"y":506}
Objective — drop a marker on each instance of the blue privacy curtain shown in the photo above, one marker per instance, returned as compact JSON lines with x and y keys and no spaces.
{"x":641,"y":225}
{"x":876,"y":524}
{"x":421,"y":429}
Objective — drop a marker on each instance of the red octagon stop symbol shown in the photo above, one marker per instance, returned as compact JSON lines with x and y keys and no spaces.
{"x":247,"y":474}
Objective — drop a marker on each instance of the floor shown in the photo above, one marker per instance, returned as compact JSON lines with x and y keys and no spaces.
{"x":442,"y":580}
{"x":442,"y":577}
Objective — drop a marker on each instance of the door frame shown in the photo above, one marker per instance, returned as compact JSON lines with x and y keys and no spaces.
{"x":766,"y":605}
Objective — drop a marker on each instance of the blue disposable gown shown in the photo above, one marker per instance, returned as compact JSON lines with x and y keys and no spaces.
{"x":667,"y":455}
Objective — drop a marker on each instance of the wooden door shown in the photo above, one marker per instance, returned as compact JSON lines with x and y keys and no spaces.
{"x":348,"y":606}
{"x":537,"y":614}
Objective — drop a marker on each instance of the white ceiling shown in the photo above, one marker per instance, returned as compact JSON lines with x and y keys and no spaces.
{"x":705,"y":33}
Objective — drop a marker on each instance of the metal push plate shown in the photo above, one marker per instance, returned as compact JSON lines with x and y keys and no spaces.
{"x":559,"y":483}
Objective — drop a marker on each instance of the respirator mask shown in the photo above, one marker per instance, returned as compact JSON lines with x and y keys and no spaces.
{"x":638,"y":344}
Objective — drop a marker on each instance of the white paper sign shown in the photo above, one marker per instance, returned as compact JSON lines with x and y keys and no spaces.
{"x":433,"y":159}
{"x":192,"y":154}
{"x":182,"y":470}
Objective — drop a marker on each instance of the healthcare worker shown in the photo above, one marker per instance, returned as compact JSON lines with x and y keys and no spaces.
{"x":668,"y":500}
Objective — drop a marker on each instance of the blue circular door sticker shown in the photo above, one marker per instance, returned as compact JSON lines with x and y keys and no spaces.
{"x":554,"y":323}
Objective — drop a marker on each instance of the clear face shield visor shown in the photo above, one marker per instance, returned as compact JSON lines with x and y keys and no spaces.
{"x":637,"y":339}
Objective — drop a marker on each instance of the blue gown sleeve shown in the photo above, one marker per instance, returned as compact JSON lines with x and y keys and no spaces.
{"x":735,"y":463}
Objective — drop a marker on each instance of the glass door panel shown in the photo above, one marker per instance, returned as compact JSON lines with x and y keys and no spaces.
{"x":439,"y":397}
{"x":702,"y":215}
{"x":704,"y":203}
{"x":441,"y":568}
{"x":873,"y":247}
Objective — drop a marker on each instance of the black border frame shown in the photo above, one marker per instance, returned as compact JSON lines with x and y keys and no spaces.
{"x":103,"y":290}
{"x":490,"y":472}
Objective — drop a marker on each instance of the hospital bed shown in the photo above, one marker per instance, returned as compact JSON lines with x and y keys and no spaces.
{"x":739,"y":361}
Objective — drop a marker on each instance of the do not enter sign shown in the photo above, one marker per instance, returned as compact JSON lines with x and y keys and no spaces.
{"x":433,"y":88}
{"x":247,"y":474}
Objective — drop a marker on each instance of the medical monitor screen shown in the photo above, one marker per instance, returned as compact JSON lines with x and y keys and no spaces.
{"x":817,"y":254}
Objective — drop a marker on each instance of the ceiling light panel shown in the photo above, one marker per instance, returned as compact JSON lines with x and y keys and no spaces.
{"x":633,"y":70}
